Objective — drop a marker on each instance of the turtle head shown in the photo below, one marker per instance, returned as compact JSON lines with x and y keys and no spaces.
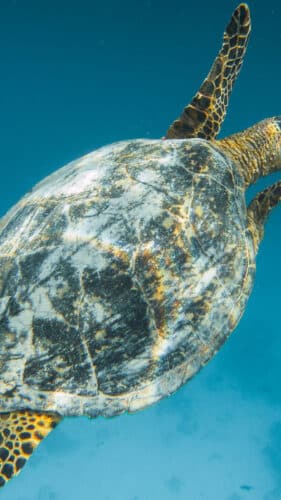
{"x":257,"y":150}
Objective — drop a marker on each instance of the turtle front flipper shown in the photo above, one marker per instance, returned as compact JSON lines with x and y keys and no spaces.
{"x":259,"y":210}
{"x":20,"y":434}
{"x":204,"y":115}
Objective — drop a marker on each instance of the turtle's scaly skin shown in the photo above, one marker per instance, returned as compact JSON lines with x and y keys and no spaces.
{"x":121,"y":275}
{"x":203,"y":116}
{"x":20,"y":434}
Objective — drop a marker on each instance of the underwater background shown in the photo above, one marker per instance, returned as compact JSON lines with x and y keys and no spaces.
{"x":76,"y":75}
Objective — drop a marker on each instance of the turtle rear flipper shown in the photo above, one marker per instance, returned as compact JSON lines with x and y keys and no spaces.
{"x":204,"y":115}
{"x":20,"y":434}
{"x":259,"y":210}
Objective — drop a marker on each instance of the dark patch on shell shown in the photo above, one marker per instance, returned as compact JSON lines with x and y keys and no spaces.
{"x":124,"y":335}
{"x":64,"y":364}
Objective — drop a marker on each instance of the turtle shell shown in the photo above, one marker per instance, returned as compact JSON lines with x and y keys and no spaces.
{"x":121,"y":275}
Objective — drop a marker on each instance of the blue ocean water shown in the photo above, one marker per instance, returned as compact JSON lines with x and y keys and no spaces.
{"x":78,"y":75}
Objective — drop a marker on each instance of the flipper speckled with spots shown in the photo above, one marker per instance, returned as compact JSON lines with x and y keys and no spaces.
{"x":20,"y":434}
{"x":204,"y":115}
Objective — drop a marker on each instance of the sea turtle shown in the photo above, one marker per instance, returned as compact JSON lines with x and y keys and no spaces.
{"x":124,"y":272}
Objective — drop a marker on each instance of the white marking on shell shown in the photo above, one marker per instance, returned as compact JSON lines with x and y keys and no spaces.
{"x":171,"y":158}
{"x":205,"y":280}
{"x":167,"y":160}
{"x":93,"y":167}
{"x":151,"y":209}
{"x":88,"y":257}
{"x":99,"y":312}
{"x":15,"y":237}
{"x":137,"y":364}
{"x":85,"y":230}
{"x":3,"y":303}
{"x":105,"y":228}
{"x":147,"y":175}
{"x":62,"y":400}
{"x":163,"y":346}
{"x":142,"y":398}
{"x":42,"y":305}
{"x":49,"y":264}
{"x":22,"y":322}
{"x":66,"y":180}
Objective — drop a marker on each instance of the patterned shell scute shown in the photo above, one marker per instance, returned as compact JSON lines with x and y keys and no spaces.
{"x":121,"y":275}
